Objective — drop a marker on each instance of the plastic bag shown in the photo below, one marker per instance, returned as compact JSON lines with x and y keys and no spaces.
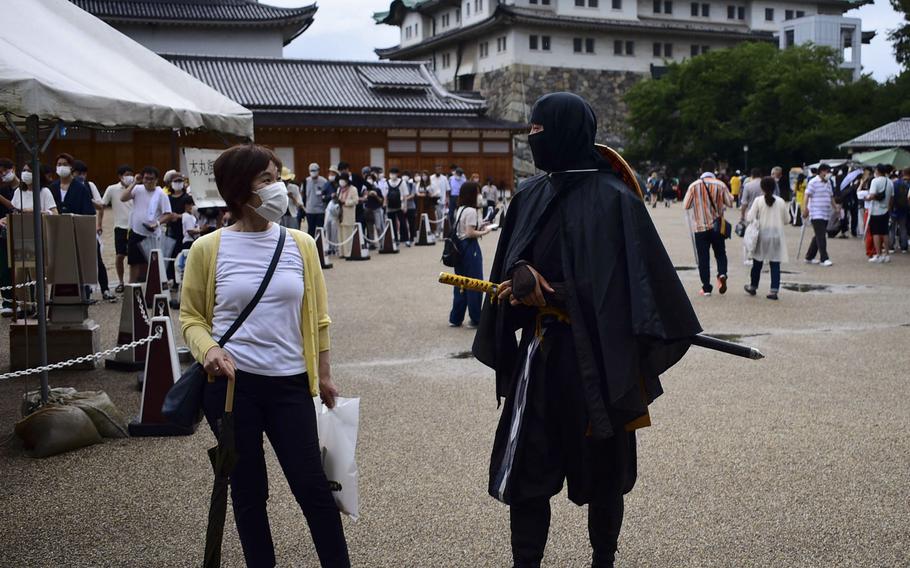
{"x":750,"y":238}
{"x":338,"y":440}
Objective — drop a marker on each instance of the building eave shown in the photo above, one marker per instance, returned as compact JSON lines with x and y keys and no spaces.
{"x":508,"y":15}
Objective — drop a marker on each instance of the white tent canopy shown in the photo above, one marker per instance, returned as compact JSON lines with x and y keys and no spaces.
{"x":61,"y":63}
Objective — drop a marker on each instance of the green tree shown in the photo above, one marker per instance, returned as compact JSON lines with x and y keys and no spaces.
{"x":900,"y":36}
{"x":790,"y":106}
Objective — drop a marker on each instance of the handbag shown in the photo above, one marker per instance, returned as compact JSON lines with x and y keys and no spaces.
{"x":183,"y":402}
{"x":451,"y":251}
{"x":720,"y":225}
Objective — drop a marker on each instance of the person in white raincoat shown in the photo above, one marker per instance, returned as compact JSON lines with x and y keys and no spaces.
{"x":771,"y":215}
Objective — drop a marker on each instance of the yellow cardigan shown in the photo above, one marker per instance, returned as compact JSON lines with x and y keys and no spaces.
{"x":197,"y":301}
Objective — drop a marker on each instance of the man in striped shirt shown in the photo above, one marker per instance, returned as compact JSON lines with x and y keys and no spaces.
{"x":707,"y":199}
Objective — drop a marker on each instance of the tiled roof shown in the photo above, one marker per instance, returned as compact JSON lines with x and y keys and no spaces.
{"x":330,"y":87}
{"x":206,"y":11}
{"x":891,"y":135}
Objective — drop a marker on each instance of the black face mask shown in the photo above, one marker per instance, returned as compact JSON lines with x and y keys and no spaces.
{"x":567,"y":139}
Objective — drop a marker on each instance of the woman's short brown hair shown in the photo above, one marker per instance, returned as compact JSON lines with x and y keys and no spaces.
{"x":467,"y":197}
{"x":236,"y":169}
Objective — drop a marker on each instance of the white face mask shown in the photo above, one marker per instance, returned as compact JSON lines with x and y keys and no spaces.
{"x":315,"y":174}
{"x":127,"y":180}
{"x":8,"y":176}
{"x":274,"y":201}
{"x":64,"y":171}
{"x":331,"y":177}
{"x":26,"y":178}
{"x":178,"y":185}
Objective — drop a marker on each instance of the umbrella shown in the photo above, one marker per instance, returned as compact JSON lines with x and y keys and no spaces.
{"x":897,"y":157}
{"x":802,"y":235}
{"x":848,"y":179}
{"x":223,"y":458}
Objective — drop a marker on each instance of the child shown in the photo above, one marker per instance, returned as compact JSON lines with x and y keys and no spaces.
{"x":190,"y":224}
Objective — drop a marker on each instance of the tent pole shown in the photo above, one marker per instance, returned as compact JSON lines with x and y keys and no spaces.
{"x":32,"y":135}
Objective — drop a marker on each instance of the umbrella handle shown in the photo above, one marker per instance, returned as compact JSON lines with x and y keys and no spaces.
{"x":229,"y":399}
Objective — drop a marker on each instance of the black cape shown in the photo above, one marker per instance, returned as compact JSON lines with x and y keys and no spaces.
{"x":630,"y":317}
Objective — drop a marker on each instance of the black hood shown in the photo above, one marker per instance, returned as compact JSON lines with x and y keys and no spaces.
{"x":567,"y":139}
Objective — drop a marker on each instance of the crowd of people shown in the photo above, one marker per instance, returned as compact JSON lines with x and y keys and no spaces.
{"x":149,"y":207}
{"x":858,"y":201}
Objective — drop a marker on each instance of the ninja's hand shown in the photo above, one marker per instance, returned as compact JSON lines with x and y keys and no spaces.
{"x":505,"y":291}
{"x":531,"y":296}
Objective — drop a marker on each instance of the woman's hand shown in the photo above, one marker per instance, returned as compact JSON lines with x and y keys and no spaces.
{"x":327,"y":389}
{"x":219,"y":362}
{"x":505,"y":291}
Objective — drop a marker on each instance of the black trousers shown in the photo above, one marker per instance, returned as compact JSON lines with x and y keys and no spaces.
{"x":530,"y":524}
{"x":314,"y":220}
{"x":282,"y":408}
{"x":412,"y":225}
{"x":704,"y":242}
{"x":819,"y":242}
{"x":399,"y":225}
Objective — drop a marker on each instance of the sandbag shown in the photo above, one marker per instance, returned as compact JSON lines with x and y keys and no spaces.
{"x":107,"y":418}
{"x":337,"y":429}
{"x":54,"y":429}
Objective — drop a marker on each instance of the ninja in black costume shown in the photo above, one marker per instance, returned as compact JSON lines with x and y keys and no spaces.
{"x":602,"y":314}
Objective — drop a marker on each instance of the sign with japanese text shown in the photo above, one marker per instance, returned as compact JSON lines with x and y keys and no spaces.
{"x":198,"y":164}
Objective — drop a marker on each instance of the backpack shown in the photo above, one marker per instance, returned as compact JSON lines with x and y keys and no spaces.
{"x":451,"y":251}
{"x":394,"y":196}
{"x":901,"y":200}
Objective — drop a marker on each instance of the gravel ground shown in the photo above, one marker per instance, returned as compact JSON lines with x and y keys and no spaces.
{"x":802,"y":459}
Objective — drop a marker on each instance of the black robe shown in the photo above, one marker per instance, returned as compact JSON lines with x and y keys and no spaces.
{"x":630,"y":317}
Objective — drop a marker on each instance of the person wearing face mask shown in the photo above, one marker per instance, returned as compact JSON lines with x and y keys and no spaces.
{"x":819,"y":205}
{"x":315,"y":203}
{"x":23,"y":196}
{"x":279,"y":358}
{"x":295,"y":203}
{"x":348,"y":197}
{"x":395,"y":193}
{"x":122,"y":210}
{"x":177,"y":196}
{"x":151,"y":209}
{"x":8,"y":184}
{"x":373,"y":207}
{"x":410,"y":209}
{"x":455,"y":182}
{"x":70,"y":193}
{"x":439,"y":185}
{"x":583,"y":274}
{"x":80,"y":170}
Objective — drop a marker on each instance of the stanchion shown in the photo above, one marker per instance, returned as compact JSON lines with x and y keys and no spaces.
{"x":358,"y":249}
{"x":320,"y":246}
{"x":389,"y":246}
{"x":425,"y":236}
{"x":133,"y":326}
{"x":155,"y":278}
{"x":161,"y":306}
{"x":161,"y":371}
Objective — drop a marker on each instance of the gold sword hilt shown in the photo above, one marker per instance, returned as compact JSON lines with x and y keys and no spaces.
{"x":471,"y":284}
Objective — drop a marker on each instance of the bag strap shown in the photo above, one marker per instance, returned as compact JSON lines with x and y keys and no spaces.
{"x":265,"y":283}
{"x":457,"y":220}
{"x":710,"y":198}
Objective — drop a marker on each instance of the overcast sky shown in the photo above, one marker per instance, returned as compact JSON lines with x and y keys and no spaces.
{"x":344,"y":29}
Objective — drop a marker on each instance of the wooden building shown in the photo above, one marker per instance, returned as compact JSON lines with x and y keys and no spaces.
{"x":376,"y":113}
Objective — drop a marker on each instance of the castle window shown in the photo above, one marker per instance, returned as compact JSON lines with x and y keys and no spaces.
{"x":617,"y":47}
{"x":532,"y":42}
{"x":545,"y":43}
{"x":589,"y":45}
{"x":576,"y":44}
{"x":769,"y":14}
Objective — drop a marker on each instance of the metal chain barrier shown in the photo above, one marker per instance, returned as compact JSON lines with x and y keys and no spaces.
{"x":378,"y":239}
{"x":23,"y":285}
{"x":342,"y":243}
{"x":143,"y":313}
{"x":86,"y":358}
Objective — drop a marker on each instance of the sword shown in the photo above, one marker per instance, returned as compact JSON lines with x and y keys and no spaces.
{"x":700,"y":340}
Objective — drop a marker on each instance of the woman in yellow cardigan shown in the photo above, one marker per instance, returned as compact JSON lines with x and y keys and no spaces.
{"x":279,"y":357}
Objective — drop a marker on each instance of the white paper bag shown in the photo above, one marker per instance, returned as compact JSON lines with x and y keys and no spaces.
{"x":337,"y":428}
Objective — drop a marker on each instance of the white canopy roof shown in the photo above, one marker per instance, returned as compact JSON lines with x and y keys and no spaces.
{"x":62,"y":63}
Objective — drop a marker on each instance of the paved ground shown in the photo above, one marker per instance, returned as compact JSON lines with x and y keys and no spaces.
{"x":802,"y":459}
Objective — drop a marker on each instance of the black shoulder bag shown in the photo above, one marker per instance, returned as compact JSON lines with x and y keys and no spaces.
{"x":183,"y":403}
{"x":451,"y":253}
